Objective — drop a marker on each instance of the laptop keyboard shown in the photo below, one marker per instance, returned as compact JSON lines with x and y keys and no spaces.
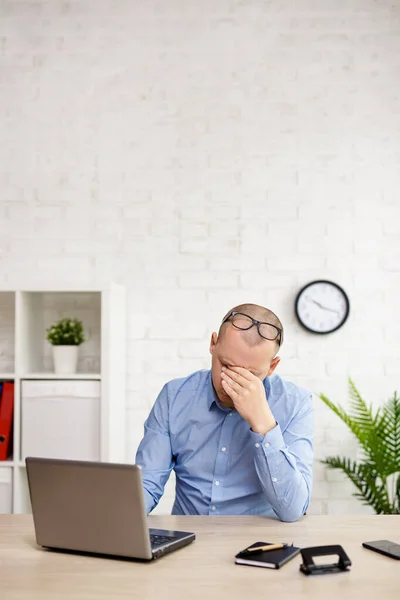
{"x":159,"y":540}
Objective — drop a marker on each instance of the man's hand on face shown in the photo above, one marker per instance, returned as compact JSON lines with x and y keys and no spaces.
{"x":248,"y":396}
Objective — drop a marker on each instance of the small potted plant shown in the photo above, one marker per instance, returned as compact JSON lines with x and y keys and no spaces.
{"x":65,"y":335}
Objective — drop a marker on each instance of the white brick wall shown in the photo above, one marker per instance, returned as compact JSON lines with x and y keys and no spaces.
{"x":204,"y":154}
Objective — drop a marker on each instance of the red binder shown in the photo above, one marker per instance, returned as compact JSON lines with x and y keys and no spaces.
{"x":6,"y":418}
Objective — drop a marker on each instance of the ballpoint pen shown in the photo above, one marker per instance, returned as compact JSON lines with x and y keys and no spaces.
{"x":264,"y":548}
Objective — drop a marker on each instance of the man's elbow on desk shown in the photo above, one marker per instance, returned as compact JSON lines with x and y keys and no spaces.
{"x":290,"y":517}
{"x":290,"y":514}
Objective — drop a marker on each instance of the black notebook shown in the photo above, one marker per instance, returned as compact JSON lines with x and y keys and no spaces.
{"x":273,"y":559}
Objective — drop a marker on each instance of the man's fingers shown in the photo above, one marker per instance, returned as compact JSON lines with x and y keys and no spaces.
{"x":239,"y":374}
{"x":244,"y":373}
{"x":229,"y":390}
{"x":233,"y":384}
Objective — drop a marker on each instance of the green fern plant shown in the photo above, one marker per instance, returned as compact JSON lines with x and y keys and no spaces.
{"x":377,"y":474}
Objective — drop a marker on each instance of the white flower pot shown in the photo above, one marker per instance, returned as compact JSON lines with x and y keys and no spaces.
{"x":65,"y":359}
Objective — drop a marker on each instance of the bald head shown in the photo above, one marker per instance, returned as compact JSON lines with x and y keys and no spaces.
{"x":259,"y":313}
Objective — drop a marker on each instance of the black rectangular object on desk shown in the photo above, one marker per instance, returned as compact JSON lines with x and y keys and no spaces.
{"x":308,"y":567}
{"x":272,"y":559}
{"x":385,"y":547}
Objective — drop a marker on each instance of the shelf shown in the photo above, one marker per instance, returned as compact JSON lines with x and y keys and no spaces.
{"x":27,"y":360}
{"x":37,"y":311}
{"x":63,"y":376}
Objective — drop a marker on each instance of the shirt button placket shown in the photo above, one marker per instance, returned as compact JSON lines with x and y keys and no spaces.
{"x":221,"y":462}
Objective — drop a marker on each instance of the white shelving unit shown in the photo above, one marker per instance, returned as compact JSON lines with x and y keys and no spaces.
{"x":97,"y":389}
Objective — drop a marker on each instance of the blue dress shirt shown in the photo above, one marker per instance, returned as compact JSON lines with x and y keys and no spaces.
{"x":222,"y":467}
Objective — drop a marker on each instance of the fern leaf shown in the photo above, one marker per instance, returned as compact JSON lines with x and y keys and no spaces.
{"x":360,"y":412}
{"x":370,"y":430}
{"x":365,"y":480}
{"x":392,"y":437}
{"x":388,"y":431}
{"x":379,"y":438}
{"x":355,"y":427}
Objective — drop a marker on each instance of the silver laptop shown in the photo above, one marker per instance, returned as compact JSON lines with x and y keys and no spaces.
{"x":95,"y":507}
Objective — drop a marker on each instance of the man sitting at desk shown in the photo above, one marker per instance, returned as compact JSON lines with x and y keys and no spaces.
{"x":238,"y":437}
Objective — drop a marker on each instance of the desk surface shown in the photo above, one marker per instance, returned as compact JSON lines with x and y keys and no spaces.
{"x":205,"y":569}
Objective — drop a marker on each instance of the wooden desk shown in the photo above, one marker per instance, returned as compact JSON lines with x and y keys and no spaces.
{"x":206,"y":568}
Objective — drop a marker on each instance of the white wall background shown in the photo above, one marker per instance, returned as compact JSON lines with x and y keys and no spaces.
{"x":204,"y":154}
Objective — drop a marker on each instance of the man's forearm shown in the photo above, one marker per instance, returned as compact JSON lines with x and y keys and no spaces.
{"x":285,"y":486}
{"x":150,"y":501}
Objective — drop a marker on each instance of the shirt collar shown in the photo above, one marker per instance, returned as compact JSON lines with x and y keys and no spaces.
{"x":211,"y":395}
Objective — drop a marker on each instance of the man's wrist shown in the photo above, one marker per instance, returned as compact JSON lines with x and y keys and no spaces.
{"x":263,"y":427}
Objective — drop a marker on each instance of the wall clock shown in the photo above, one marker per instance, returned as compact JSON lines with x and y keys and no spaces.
{"x":322,"y":306}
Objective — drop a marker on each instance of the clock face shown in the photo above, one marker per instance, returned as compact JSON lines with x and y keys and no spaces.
{"x":322,"y":306}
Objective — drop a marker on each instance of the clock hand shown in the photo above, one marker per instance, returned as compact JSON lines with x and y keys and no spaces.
{"x":317,"y":303}
{"x":325,"y":307}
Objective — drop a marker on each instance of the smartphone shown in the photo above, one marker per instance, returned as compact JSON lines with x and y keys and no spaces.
{"x":384,"y":547}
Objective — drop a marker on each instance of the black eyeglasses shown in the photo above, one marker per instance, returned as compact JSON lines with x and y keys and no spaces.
{"x":266,"y":330}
